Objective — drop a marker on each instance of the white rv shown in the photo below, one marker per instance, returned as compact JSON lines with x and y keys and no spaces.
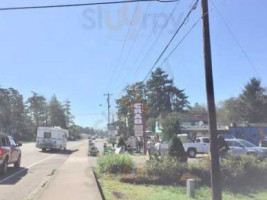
{"x":51,"y":138}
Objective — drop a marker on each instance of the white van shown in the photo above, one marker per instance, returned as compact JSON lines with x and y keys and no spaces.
{"x":51,"y":138}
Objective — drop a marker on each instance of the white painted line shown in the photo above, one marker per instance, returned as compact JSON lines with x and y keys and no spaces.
{"x":28,"y":167}
{"x":32,"y":165}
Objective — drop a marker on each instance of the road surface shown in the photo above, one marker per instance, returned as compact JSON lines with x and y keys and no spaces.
{"x":36,"y":167}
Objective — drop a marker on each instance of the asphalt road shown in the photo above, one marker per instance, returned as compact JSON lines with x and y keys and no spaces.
{"x":36,"y":166}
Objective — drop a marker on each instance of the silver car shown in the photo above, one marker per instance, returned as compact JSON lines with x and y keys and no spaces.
{"x":243,"y":147}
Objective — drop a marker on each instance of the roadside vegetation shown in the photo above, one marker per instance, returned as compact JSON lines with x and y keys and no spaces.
{"x":243,"y":178}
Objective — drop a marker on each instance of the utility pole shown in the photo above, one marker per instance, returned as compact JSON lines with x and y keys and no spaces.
{"x":215,"y":163}
{"x":108,"y":100}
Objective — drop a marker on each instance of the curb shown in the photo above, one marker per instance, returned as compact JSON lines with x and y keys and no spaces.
{"x":99,"y":187}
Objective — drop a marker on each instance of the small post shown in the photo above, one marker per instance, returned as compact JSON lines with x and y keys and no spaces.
{"x":190,"y":188}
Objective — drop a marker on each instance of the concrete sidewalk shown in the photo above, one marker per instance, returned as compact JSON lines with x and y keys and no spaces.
{"x":74,"y":180}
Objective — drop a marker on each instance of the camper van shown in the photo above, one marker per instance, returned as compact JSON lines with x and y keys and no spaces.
{"x":54,"y":138}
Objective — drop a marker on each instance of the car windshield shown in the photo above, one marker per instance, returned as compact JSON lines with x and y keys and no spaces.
{"x":247,"y":144}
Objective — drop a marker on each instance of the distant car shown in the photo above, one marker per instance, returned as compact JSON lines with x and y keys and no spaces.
{"x":244,"y":147}
{"x":10,"y":153}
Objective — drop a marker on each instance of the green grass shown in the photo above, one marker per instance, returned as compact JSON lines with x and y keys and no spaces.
{"x":114,"y":190}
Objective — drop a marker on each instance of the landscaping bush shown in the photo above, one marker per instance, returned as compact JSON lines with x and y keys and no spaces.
{"x":236,"y":171}
{"x":244,"y":171}
{"x":114,"y":164}
{"x":167,"y":169}
{"x":176,"y":149}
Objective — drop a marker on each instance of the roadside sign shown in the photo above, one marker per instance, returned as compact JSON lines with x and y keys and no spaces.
{"x":138,"y":120}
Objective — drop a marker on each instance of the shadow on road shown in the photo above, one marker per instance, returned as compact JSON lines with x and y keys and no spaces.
{"x":64,"y":152}
{"x":13,"y":175}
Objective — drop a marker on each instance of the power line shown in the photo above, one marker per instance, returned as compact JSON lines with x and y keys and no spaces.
{"x":78,"y":4}
{"x":236,"y":39}
{"x":134,"y":42}
{"x":124,"y":43}
{"x":183,"y":38}
{"x":177,"y":31}
{"x":156,"y":39}
{"x":148,"y":38}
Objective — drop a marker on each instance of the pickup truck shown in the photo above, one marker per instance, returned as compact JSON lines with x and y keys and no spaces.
{"x":200,"y":146}
{"x":9,"y":153}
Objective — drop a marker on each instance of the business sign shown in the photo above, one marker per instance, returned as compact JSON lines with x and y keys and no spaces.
{"x":138,"y":120}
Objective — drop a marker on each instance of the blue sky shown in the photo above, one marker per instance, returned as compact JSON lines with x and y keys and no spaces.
{"x":75,"y":53}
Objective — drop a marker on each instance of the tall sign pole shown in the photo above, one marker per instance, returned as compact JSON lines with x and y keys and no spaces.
{"x":215,"y":164}
{"x":139,"y":123}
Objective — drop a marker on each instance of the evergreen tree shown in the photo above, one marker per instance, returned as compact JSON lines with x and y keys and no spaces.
{"x":56,"y":113}
{"x":163,"y":96}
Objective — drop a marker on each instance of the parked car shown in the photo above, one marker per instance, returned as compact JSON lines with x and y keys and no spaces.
{"x":200,"y":146}
{"x":10,"y":153}
{"x":244,"y":147}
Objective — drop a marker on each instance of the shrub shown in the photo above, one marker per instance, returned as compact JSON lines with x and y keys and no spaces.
{"x":167,"y":169}
{"x":243,"y":170}
{"x":176,"y":149}
{"x":114,"y":164}
{"x":236,"y":171}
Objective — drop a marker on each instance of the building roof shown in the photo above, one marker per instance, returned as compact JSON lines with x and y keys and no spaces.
{"x":185,"y":117}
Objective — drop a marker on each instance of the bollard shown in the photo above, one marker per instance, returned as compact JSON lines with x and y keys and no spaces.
{"x":190,"y":188}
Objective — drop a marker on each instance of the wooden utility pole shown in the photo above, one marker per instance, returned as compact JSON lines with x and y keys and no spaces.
{"x":215,"y":164}
{"x":108,"y":101}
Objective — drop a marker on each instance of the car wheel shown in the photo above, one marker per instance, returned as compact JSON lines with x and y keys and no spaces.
{"x":191,"y":153}
{"x":43,"y":149}
{"x":17,"y":163}
{"x":3,"y":168}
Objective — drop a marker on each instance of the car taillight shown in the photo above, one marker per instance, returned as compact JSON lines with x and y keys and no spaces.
{"x":1,"y":152}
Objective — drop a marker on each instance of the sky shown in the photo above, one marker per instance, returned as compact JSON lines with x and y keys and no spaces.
{"x":82,"y":53}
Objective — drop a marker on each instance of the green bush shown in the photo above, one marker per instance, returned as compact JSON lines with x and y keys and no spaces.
{"x":114,"y":164}
{"x":235,"y":171}
{"x":167,"y":169}
{"x":244,"y":170}
{"x":176,"y":149}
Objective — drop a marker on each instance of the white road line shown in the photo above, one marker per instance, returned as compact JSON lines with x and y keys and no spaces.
{"x":28,"y":167}
{"x":32,"y":165}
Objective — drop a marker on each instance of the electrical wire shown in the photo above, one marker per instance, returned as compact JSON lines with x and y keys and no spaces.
{"x":155,"y":41}
{"x":236,"y":40}
{"x":79,"y":4}
{"x":183,"y":38}
{"x":134,"y":42}
{"x":177,"y":31}
{"x":123,"y":47}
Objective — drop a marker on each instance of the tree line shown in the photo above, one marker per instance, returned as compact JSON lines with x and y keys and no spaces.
{"x":248,"y":107}
{"x":21,"y":118}
{"x":163,"y":99}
